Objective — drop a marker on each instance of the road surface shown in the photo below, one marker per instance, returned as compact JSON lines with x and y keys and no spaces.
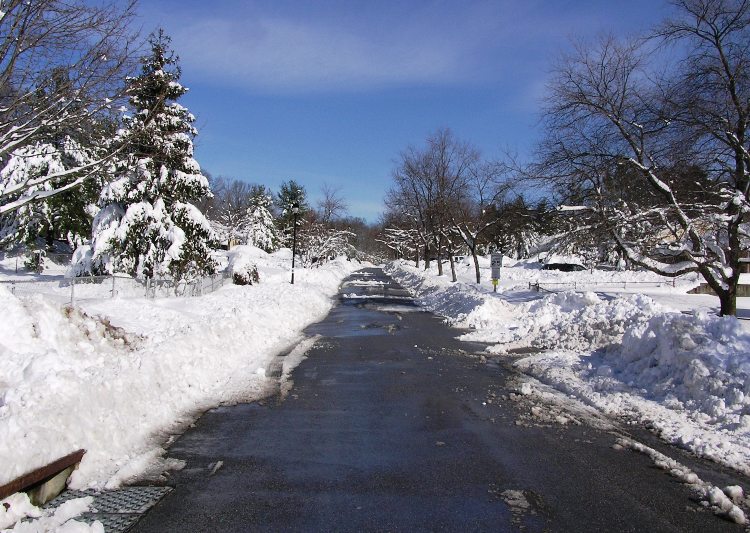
{"x":393,"y":425}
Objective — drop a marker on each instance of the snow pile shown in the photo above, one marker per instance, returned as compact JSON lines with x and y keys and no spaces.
{"x":116,"y":377}
{"x":242,"y":264}
{"x":59,"y":520}
{"x":696,"y":362}
{"x":568,"y":321}
{"x":685,"y":375}
{"x":461,"y":304}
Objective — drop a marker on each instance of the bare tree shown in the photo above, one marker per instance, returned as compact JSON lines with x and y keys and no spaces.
{"x":474,"y":214}
{"x":428,"y":186}
{"x":607,"y":120}
{"x":710,"y":100}
{"x":233,"y":204}
{"x":62,"y":65}
{"x":331,"y":205}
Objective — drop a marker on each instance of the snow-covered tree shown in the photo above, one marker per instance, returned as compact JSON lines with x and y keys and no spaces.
{"x":67,"y":215}
{"x":260,"y":227}
{"x":612,"y":113}
{"x":290,"y":193}
{"x":318,"y":242}
{"x":231,"y":209}
{"x":148,"y":225}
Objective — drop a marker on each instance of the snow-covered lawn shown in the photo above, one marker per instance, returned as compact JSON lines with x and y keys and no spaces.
{"x":117,"y":377}
{"x":654,"y":355}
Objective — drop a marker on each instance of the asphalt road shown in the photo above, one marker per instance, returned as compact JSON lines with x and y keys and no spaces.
{"x":393,"y":425}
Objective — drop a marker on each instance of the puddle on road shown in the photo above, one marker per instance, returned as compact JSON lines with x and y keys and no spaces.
{"x":367,"y":307}
{"x":356,"y":321}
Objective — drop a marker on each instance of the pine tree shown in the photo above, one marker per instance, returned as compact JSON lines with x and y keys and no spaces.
{"x":289,"y":194}
{"x":261,"y":227}
{"x":66,"y":216}
{"x":148,"y":224}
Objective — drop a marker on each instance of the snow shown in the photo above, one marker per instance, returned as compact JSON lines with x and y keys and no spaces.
{"x":118,"y":377}
{"x":59,"y":520}
{"x":723,"y":502}
{"x":637,"y":348}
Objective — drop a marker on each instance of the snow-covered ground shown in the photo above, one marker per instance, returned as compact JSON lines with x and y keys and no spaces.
{"x":647,"y":352}
{"x":118,"y":376}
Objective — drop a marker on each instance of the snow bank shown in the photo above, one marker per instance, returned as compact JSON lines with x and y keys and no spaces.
{"x":685,"y":375}
{"x":117,"y":376}
{"x":59,"y":520}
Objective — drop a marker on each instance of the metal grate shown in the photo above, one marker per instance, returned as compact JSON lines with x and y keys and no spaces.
{"x":113,"y":523}
{"x":117,"y":510}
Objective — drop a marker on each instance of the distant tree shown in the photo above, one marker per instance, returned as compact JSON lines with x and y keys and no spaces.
{"x":331,"y":205}
{"x":232,"y":208}
{"x":429,"y":185}
{"x":519,"y":227}
{"x":290,"y":193}
{"x":402,"y":229}
{"x":260,"y":227}
{"x":474,"y":215}
{"x":148,"y":225}
{"x":319,"y":242}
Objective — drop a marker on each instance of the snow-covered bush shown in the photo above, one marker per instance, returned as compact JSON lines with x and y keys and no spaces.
{"x":246,"y":275}
{"x":242,"y":265}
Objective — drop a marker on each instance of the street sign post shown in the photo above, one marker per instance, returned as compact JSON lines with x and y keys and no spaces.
{"x":496,"y":263}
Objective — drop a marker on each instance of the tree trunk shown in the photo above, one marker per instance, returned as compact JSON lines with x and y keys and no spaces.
{"x":453,"y":268}
{"x":440,"y":263}
{"x":50,"y":239}
{"x":426,"y":257}
{"x":476,"y":264}
{"x":728,"y":300}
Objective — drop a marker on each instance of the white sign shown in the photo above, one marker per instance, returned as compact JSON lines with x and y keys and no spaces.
{"x":496,"y":263}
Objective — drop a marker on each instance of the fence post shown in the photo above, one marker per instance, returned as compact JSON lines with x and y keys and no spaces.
{"x":113,"y":285}
{"x":73,"y":291}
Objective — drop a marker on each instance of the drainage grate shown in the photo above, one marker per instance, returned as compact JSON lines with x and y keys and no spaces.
{"x":113,"y":523}
{"x":117,"y":510}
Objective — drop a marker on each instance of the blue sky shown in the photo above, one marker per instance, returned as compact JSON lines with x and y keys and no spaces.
{"x":332,"y":91}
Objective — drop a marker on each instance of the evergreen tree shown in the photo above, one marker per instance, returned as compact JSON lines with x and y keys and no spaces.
{"x":261,"y":228}
{"x":63,"y":216}
{"x":290,"y":193}
{"x":148,"y":224}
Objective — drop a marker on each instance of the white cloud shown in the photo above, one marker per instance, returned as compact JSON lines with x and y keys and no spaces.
{"x":292,"y":54}
{"x":349,"y":45}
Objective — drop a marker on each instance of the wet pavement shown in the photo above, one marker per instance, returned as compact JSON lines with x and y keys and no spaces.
{"x":393,"y":425}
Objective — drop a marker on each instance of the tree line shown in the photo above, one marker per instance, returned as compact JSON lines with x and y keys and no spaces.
{"x":645,"y":157}
{"x":246,"y":213}
{"x":446,"y":199}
